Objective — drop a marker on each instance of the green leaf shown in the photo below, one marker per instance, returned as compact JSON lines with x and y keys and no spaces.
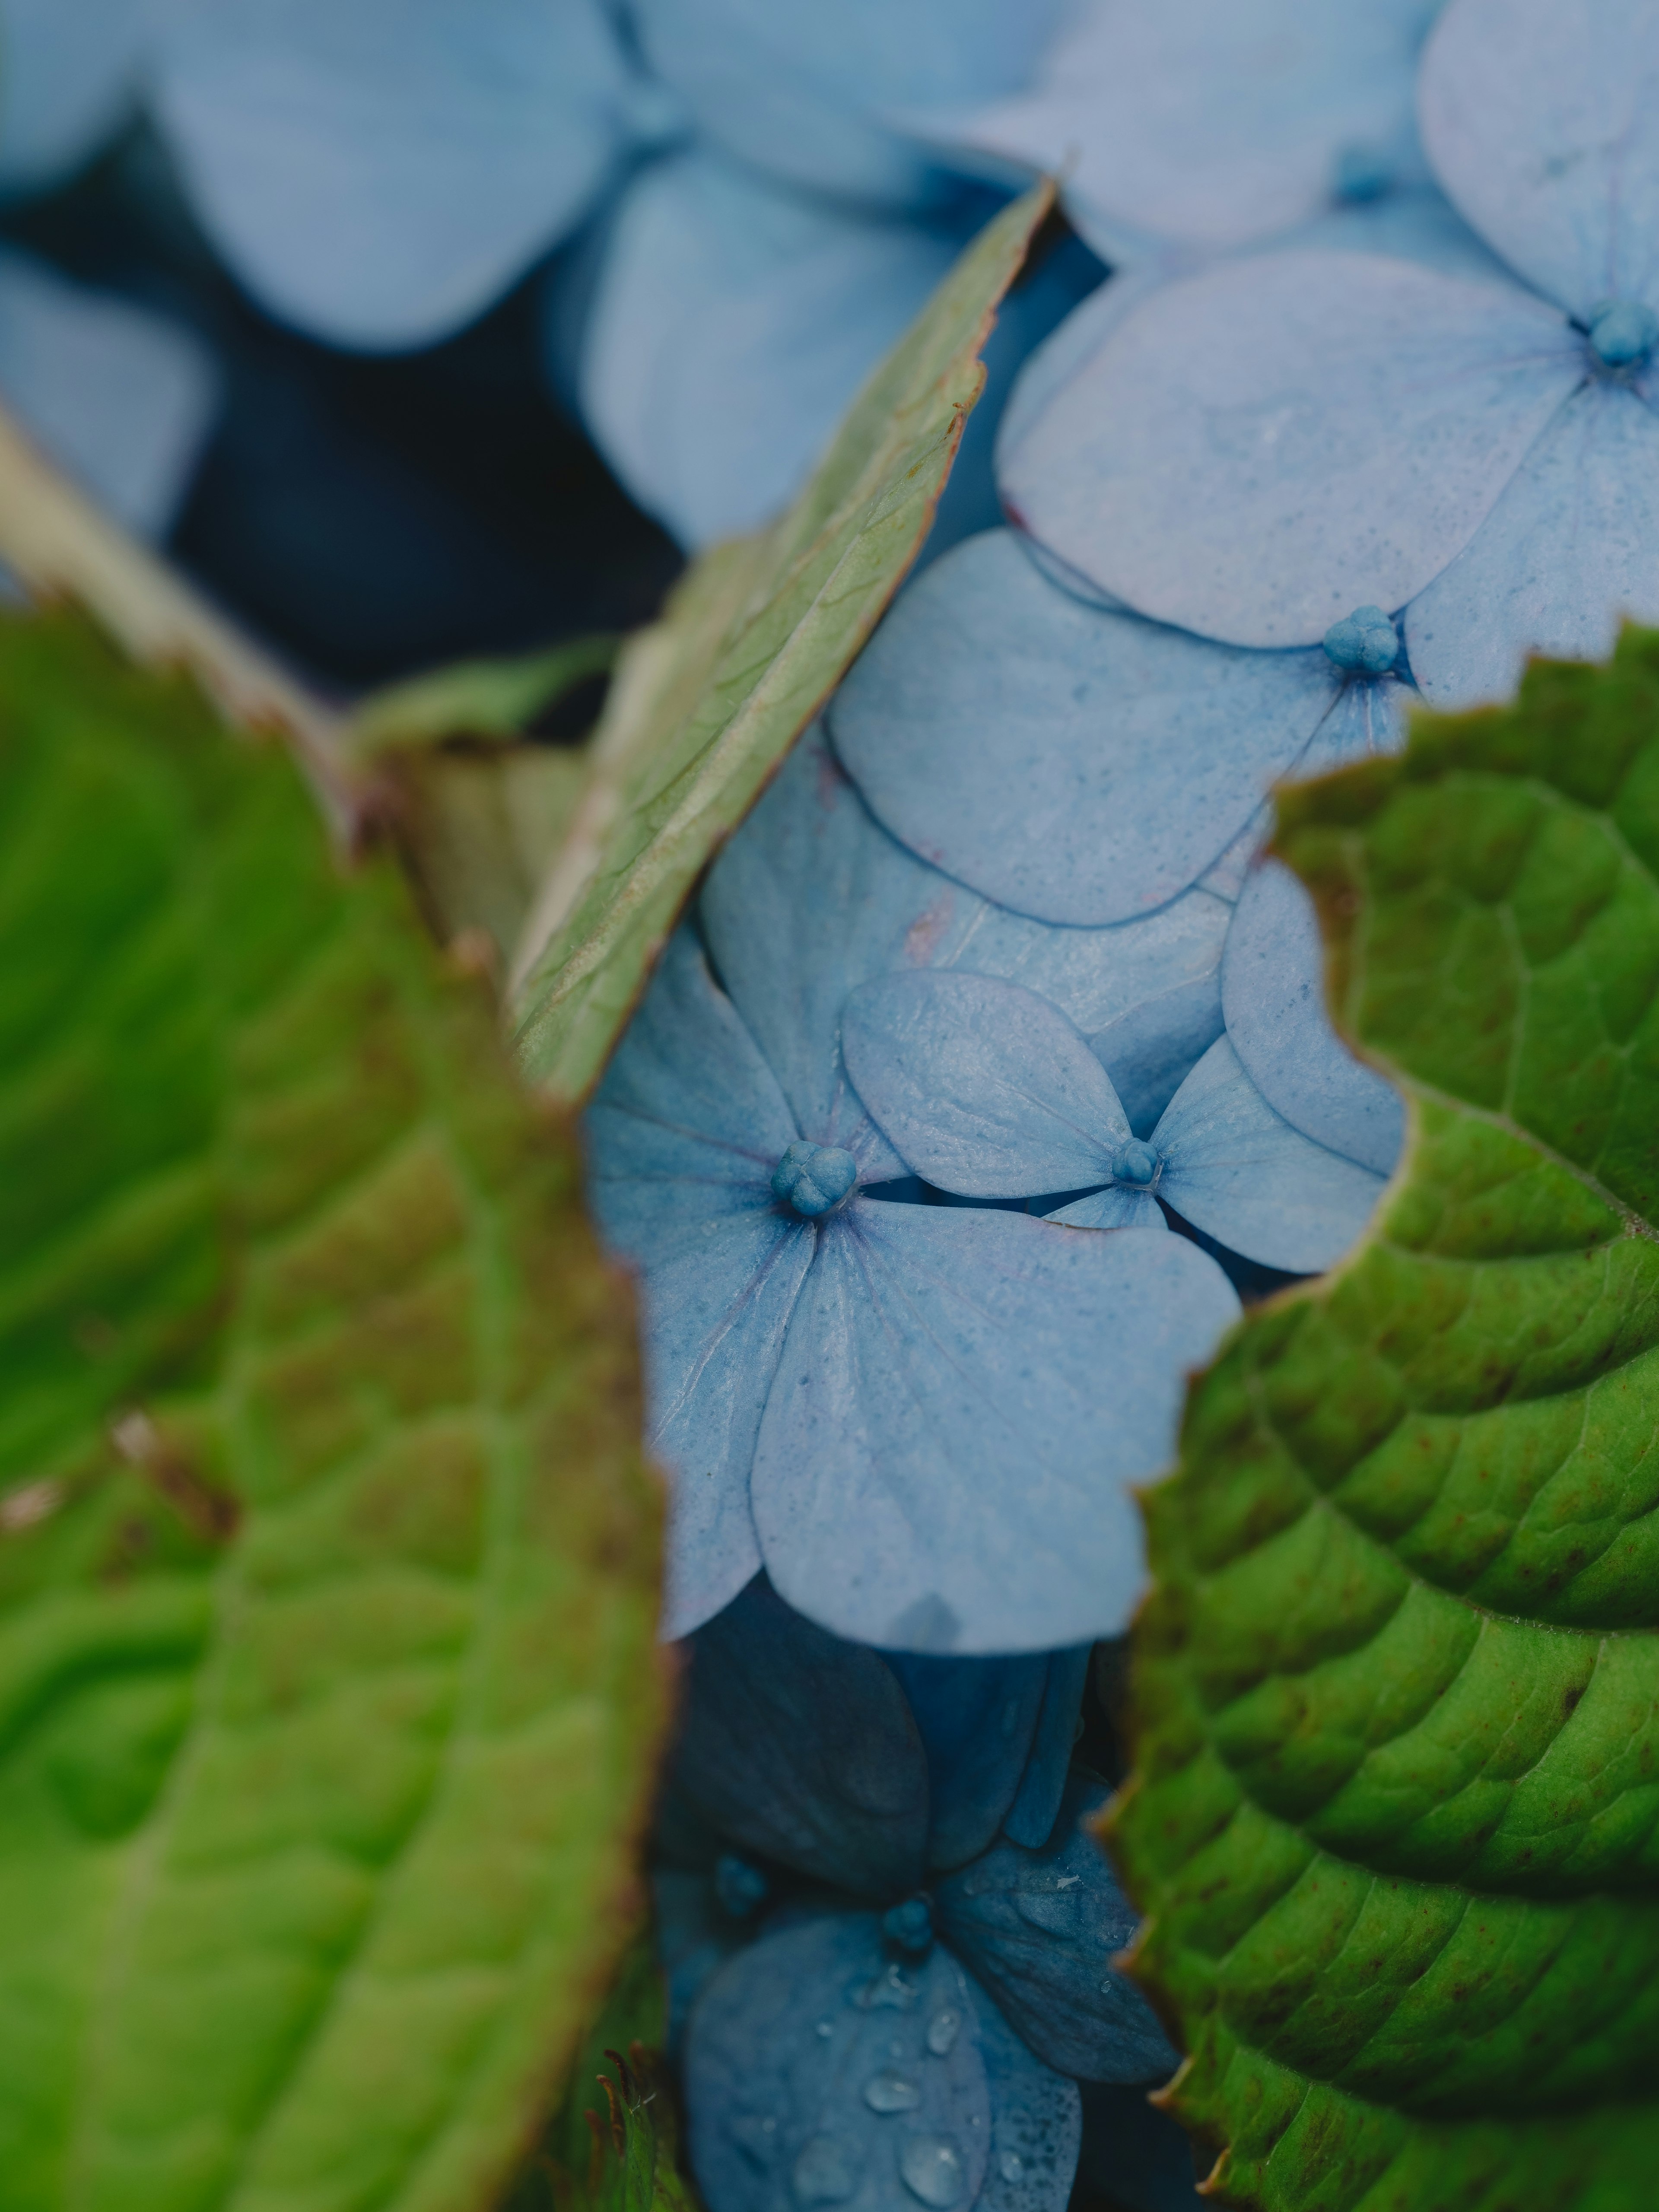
{"x":613,"y":2144}
{"x":757,"y":640}
{"x":1395,"y":1823}
{"x":477,"y":698}
{"x":328,"y":1698}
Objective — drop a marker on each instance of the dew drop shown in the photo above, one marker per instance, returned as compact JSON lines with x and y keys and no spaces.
{"x":943,"y":2030}
{"x":892,"y":1986}
{"x":890,"y":2092}
{"x":1012,"y":2166}
{"x":824,"y":2171}
{"x":826,"y":2029}
{"x":932,"y":2170}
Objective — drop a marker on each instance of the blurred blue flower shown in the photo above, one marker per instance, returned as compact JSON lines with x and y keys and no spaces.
{"x":1258,"y":450}
{"x":897,"y":2025}
{"x":1203,"y":125}
{"x":71,"y":77}
{"x":906,"y":1412}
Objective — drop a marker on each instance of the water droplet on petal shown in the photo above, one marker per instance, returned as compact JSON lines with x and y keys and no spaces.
{"x":891,"y":2093}
{"x":892,"y":1986}
{"x":1012,"y":2166}
{"x":825,"y":2171}
{"x":943,"y":2030}
{"x":932,"y":2170}
{"x":826,"y":2029}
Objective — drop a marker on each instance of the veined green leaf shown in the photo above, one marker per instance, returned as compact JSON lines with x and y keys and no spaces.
{"x":1396,"y":1818}
{"x":758,"y":639}
{"x":328,"y":1698}
{"x":477,"y":698}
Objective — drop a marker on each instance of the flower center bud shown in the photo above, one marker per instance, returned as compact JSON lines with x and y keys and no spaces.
{"x":814,"y":1178}
{"x":910,"y":1925}
{"x":1360,"y":173}
{"x":1136,"y":1164}
{"x":1623,"y":333}
{"x":1363,"y":643}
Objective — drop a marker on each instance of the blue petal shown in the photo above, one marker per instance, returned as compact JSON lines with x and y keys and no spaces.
{"x":1369,"y":719}
{"x":933,"y":1349}
{"x":977,"y":1718}
{"x":1114,"y":1207}
{"x":693,"y":1937}
{"x":801,"y":91}
{"x":803,"y":1748}
{"x":1272,"y":989}
{"x":1266,"y":447}
{"x":1031,"y":1817}
{"x":70,"y":73}
{"x":816,"y":2069}
{"x":1035,"y":2122}
{"x":1075,"y":764}
{"x":984,"y":1087}
{"x":120,"y":398}
{"x":1041,"y":1929}
{"x":732,"y":323}
{"x":1570,"y":549}
{"x":1240,"y":1173}
{"x":1539,"y":121}
{"x":379,"y":172}
{"x":1210,"y":126}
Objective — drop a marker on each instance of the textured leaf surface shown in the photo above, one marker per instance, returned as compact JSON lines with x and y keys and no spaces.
{"x":785,"y":614}
{"x":1396,"y":1818}
{"x":326,"y":1566}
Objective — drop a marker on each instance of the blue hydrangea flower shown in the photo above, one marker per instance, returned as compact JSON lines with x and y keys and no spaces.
{"x":921,"y":1421}
{"x":986,"y":1089}
{"x":900,"y":2025}
{"x":70,"y":75}
{"x":1259,"y":449}
{"x":1206,"y":124}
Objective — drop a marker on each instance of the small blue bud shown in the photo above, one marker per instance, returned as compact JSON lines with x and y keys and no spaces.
{"x":741,"y":1889}
{"x":1136,"y":1164}
{"x":814,"y":1178}
{"x":1623,"y":333}
{"x":910,"y":1925}
{"x":1363,"y":643}
{"x":1360,"y":173}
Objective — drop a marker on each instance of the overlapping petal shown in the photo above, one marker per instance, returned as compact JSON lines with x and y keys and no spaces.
{"x":803,"y":93}
{"x":378,"y":172}
{"x":1569,"y":551}
{"x":1266,"y":446}
{"x":1210,"y":123}
{"x":69,"y":74}
{"x":120,"y":398}
{"x":1040,"y":1929}
{"x":1272,"y":991}
{"x":943,"y":1459}
{"x":1076,"y":765}
{"x":978,"y":1719}
{"x":819,"y":2070}
{"x":732,"y":322}
{"x":1542,"y":117}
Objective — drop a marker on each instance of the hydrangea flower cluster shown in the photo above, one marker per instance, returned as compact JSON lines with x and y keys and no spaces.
{"x":992,"y":1064}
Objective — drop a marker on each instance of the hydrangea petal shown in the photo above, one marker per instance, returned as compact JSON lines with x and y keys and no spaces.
{"x":1037,"y":2121}
{"x":732,"y":322}
{"x":1267,"y":445}
{"x":1210,"y":125}
{"x":1115,"y":1207}
{"x":800,"y":90}
{"x":1274,"y":991}
{"x":819,"y":2069}
{"x":1040,"y":1928}
{"x":1539,"y":118}
{"x":983,"y":1087}
{"x":70,"y":71}
{"x":802,"y":1748}
{"x":1032,"y":1816}
{"x":1369,"y":718}
{"x":378,"y":172}
{"x":1240,"y":1173}
{"x":933,"y":1349}
{"x":120,"y":398}
{"x":1074,"y":764}
{"x":689,"y":1123}
{"x":1570,"y":549}
{"x":977,"y":1718}
{"x":693,"y":1936}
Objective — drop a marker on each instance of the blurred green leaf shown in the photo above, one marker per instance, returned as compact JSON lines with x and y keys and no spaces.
{"x":328,"y":1696}
{"x":477,"y":698}
{"x":757,"y":640}
{"x":1395,"y":1817}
